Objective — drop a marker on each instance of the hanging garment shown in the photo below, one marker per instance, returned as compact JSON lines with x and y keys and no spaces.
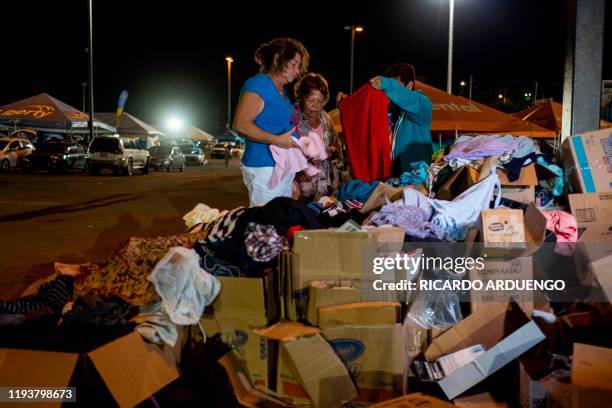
{"x":184,"y":287}
{"x":295,"y":159}
{"x":366,"y":131}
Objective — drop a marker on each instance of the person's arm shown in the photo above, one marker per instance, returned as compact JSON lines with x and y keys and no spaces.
{"x":249,"y":107}
{"x":415,"y":104}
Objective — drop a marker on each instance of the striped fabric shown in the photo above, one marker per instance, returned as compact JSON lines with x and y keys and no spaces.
{"x":53,"y":294}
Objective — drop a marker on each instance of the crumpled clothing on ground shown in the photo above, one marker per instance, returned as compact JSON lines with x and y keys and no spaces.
{"x":200,"y":214}
{"x":92,"y":310}
{"x":356,"y":189}
{"x":155,"y":325}
{"x":53,"y":295}
{"x":215,"y":265}
{"x":524,"y":144}
{"x":481,"y":147}
{"x":222,"y":227}
{"x":558,"y":182}
{"x":565,"y":228}
{"x":184,"y":287}
{"x":263,"y":243}
{"x":125,"y":273}
{"x":417,"y":175}
{"x":414,"y":220}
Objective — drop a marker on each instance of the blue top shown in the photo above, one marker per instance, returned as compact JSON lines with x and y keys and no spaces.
{"x":275,"y":118}
{"x":412,"y":134}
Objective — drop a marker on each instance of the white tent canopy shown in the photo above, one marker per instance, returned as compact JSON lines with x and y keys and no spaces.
{"x":129,"y":125}
{"x":197,"y":134}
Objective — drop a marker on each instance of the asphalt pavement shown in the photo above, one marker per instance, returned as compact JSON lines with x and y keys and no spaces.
{"x":77,"y":218}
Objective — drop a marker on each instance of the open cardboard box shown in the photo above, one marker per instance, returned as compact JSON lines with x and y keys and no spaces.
{"x":339,"y":256}
{"x":312,"y":364}
{"x":242,"y":305}
{"x":130,"y":369}
{"x":504,"y":331}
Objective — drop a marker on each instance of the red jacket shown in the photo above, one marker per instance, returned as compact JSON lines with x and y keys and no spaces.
{"x":365,"y":124}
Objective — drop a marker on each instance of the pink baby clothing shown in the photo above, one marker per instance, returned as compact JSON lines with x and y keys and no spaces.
{"x":295,"y":159}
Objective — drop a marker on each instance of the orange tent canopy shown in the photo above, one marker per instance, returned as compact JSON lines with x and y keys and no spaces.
{"x":548,"y":115}
{"x":454,"y":113}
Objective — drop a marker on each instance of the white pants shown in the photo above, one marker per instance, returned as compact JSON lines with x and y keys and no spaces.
{"x":256,"y":180}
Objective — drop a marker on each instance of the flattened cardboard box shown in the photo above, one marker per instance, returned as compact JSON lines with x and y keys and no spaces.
{"x":587,"y":159}
{"x":131,"y":369}
{"x":242,"y":305}
{"x":375,"y":357}
{"x":506,"y":333}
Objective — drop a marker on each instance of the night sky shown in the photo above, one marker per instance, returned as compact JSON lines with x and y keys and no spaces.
{"x":170,"y":56}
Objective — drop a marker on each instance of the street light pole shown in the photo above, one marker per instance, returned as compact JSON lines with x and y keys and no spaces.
{"x":90,"y":66}
{"x":353,"y":29}
{"x":84,"y":87}
{"x":229,"y":90}
{"x":449,"y":78}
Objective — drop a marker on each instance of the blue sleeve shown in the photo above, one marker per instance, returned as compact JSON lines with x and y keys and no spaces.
{"x":257,"y":84}
{"x":415,"y":104}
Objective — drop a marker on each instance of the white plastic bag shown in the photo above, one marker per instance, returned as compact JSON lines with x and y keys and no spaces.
{"x":185,"y":288}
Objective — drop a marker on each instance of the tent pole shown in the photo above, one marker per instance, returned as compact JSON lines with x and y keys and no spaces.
{"x":90,"y":68}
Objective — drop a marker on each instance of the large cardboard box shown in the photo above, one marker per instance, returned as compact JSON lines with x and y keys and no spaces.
{"x":502,"y":228}
{"x":532,"y":394}
{"x":130,"y":369}
{"x":364,"y":313}
{"x":245,"y":304}
{"x":591,"y":209}
{"x":375,"y":357}
{"x":322,"y":255}
{"x":502,"y":329}
{"x":498,"y":269}
{"x":592,"y":366}
{"x":330,"y":293}
{"x":587,"y":159}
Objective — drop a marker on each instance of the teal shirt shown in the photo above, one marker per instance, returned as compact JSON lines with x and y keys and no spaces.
{"x":412,"y":136}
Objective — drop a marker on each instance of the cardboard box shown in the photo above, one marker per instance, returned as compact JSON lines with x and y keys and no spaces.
{"x":483,"y":400}
{"x":512,"y":269}
{"x":502,"y":228}
{"x":330,"y":293}
{"x":522,"y":189}
{"x":246,"y":394}
{"x":601,"y":269}
{"x":587,"y":159}
{"x":243,"y":305}
{"x":315,"y":365}
{"x":414,"y":400}
{"x":591,"y":209}
{"x":375,"y":357}
{"x":592,"y":366}
{"x":502,"y":328}
{"x":534,"y":224}
{"x":364,"y":313}
{"x":339,"y":256}
{"x":130,"y":368}
{"x":384,"y":192}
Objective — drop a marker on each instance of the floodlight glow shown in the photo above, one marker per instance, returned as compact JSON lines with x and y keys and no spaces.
{"x":359,"y":29}
{"x":500,"y":96}
{"x":229,"y":59}
{"x":175,"y":124}
{"x":462,"y":83}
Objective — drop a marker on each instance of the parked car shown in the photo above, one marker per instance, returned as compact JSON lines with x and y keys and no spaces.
{"x":13,"y":151}
{"x":218,"y":151}
{"x":167,"y":157}
{"x":120,"y":154}
{"x":194,"y":156}
{"x":57,"y":157}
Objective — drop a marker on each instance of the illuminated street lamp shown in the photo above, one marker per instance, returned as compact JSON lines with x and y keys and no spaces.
{"x":229,"y":90}
{"x":353,"y":29}
{"x":462,"y":84}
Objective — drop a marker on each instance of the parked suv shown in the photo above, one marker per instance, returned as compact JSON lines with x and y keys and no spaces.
{"x":120,"y":154}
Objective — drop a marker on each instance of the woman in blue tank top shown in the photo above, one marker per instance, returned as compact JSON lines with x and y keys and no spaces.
{"x":263,"y":116}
